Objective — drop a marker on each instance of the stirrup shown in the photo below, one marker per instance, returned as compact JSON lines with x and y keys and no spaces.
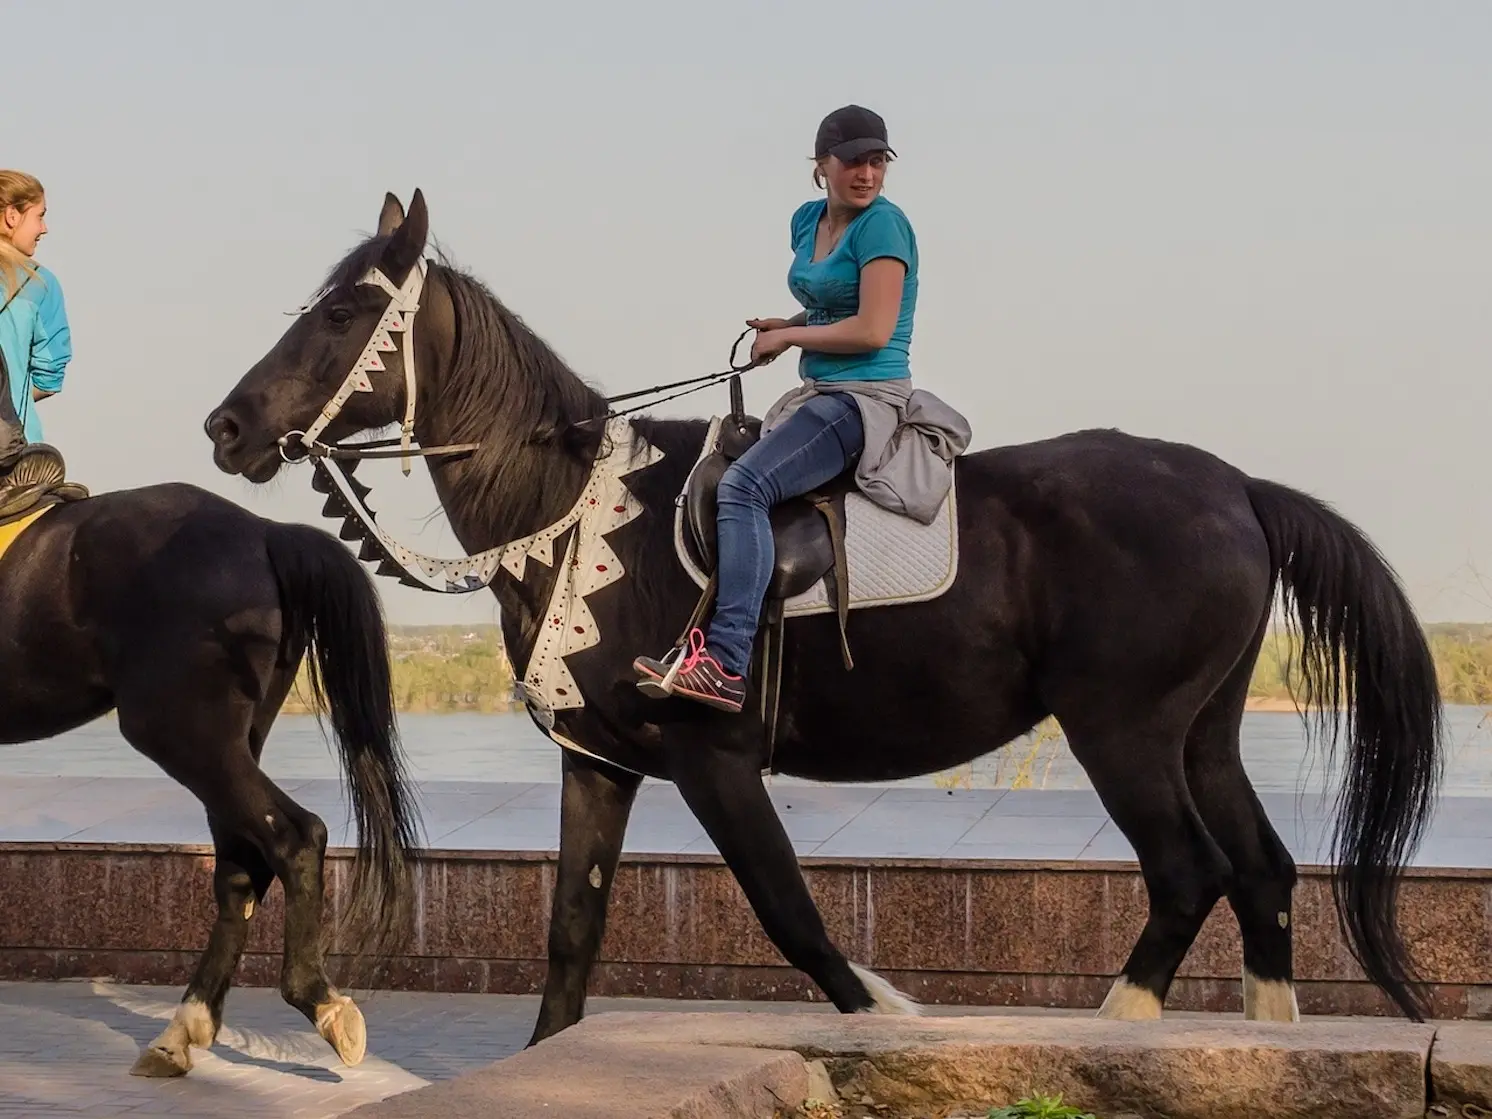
{"x":674,"y":658}
{"x":661,"y":687}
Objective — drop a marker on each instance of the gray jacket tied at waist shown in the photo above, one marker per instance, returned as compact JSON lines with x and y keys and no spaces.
{"x":911,"y":440}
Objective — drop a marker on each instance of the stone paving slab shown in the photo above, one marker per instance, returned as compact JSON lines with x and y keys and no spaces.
{"x":1461,"y":1064}
{"x":579,"y":1078}
{"x":840,"y":821}
{"x":659,"y":1066}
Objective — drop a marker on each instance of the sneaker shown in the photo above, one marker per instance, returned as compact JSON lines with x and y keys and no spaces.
{"x":700,"y":678}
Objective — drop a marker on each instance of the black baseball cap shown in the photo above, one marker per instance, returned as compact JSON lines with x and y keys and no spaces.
{"x":850,"y":133}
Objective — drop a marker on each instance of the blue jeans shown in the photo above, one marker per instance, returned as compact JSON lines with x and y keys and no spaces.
{"x":821,"y":440}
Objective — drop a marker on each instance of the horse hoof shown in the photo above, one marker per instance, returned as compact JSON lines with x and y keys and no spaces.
{"x":1127,"y":1002}
{"x":341,"y":1023}
{"x":158,"y":1062}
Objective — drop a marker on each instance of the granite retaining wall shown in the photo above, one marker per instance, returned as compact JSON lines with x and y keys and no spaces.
{"x":945,"y":931}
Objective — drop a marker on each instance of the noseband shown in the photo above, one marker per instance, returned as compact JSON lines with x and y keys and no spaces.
{"x":347,"y":499}
{"x":398,"y":317}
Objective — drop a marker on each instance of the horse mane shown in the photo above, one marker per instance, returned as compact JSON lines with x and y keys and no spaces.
{"x":501,"y":369}
{"x":508,"y":388}
{"x":509,"y":391}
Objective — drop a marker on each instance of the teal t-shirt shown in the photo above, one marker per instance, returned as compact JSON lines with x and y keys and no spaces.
{"x":829,"y":290}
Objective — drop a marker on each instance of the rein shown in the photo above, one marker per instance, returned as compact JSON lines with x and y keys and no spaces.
{"x":346,"y":498}
{"x":699,"y":384}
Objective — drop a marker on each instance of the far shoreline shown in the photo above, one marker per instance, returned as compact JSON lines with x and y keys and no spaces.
{"x":1273,"y":706}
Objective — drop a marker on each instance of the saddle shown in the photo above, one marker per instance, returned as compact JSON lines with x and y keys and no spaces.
{"x":808,"y":534}
{"x":33,"y":477}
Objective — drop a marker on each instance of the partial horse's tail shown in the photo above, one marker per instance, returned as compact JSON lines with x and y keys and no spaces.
{"x":1366,"y":670}
{"x":330,"y":608}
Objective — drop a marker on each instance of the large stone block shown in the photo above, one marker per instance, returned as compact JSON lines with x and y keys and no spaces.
{"x":577,"y":1077}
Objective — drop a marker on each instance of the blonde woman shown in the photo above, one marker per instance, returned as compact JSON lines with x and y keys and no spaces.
{"x":35,"y":342}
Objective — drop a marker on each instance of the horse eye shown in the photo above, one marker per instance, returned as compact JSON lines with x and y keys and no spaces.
{"x":339,"y":316}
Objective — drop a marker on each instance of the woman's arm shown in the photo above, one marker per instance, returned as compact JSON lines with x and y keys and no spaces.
{"x":868,"y":329}
{"x":52,"y":344}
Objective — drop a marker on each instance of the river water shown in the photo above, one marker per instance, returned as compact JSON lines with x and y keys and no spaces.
{"x":509,"y":748}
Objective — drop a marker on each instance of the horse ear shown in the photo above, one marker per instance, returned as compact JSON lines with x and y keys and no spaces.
{"x":391,"y":216}
{"x":408,"y":241}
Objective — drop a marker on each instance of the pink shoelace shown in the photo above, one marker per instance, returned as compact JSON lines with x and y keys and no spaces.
{"x":698,"y":652}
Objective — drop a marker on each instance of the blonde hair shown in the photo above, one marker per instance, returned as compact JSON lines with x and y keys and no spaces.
{"x":22,"y":191}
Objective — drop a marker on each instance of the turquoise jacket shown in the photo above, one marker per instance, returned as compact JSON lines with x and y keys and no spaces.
{"x":37,"y":344}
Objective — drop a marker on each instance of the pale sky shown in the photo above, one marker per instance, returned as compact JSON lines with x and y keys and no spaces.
{"x":1262,"y":228}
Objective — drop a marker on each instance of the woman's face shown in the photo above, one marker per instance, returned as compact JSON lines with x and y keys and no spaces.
{"x":25,"y":227}
{"x":855,"y":185}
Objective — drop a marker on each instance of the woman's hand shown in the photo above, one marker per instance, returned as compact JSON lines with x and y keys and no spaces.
{"x":766,"y":325}
{"x":769,"y":344}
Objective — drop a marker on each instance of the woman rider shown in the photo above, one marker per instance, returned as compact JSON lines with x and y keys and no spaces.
{"x":35,"y":342}
{"x":854,"y":270}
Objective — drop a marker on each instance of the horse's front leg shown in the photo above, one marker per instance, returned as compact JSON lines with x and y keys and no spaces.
{"x":596,"y":801}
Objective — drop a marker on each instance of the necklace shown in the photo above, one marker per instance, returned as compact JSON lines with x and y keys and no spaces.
{"x":833,"y":239}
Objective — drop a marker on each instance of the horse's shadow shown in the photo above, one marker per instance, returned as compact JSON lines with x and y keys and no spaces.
{"x":141,"y":1019}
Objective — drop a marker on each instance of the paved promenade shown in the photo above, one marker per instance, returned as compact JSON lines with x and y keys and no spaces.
{"x":66,"y":1049}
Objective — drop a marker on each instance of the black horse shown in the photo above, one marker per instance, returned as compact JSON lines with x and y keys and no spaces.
{"x":190,"y":617}
{"x":1123,"y":585}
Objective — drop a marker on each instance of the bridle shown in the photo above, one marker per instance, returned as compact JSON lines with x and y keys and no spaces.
{"x":398,"y":317}
{"x":347,"y":498}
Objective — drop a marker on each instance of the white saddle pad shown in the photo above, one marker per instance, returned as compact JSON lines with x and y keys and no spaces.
{"x":892,"y":558}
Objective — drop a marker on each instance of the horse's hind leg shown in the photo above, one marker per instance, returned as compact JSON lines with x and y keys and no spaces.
{"x":240,"y":879}
{"x":1138,"y":774}
{"x":1263,"y":870}
{"x":214,"y":759}
{"x":293,"y":842}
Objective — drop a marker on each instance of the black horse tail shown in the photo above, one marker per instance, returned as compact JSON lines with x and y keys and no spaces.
{"x":1366,"y":671}
{"x":330,"y":608}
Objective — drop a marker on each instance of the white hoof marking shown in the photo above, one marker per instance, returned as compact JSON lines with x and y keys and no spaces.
{"x":1269,"y":1000}
{"x":887,"y":999}
{"x":1128,"y":1003}
{"x":170,"y":1054}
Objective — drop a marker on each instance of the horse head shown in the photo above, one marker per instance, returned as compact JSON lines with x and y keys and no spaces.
{"x":345,"y":365}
